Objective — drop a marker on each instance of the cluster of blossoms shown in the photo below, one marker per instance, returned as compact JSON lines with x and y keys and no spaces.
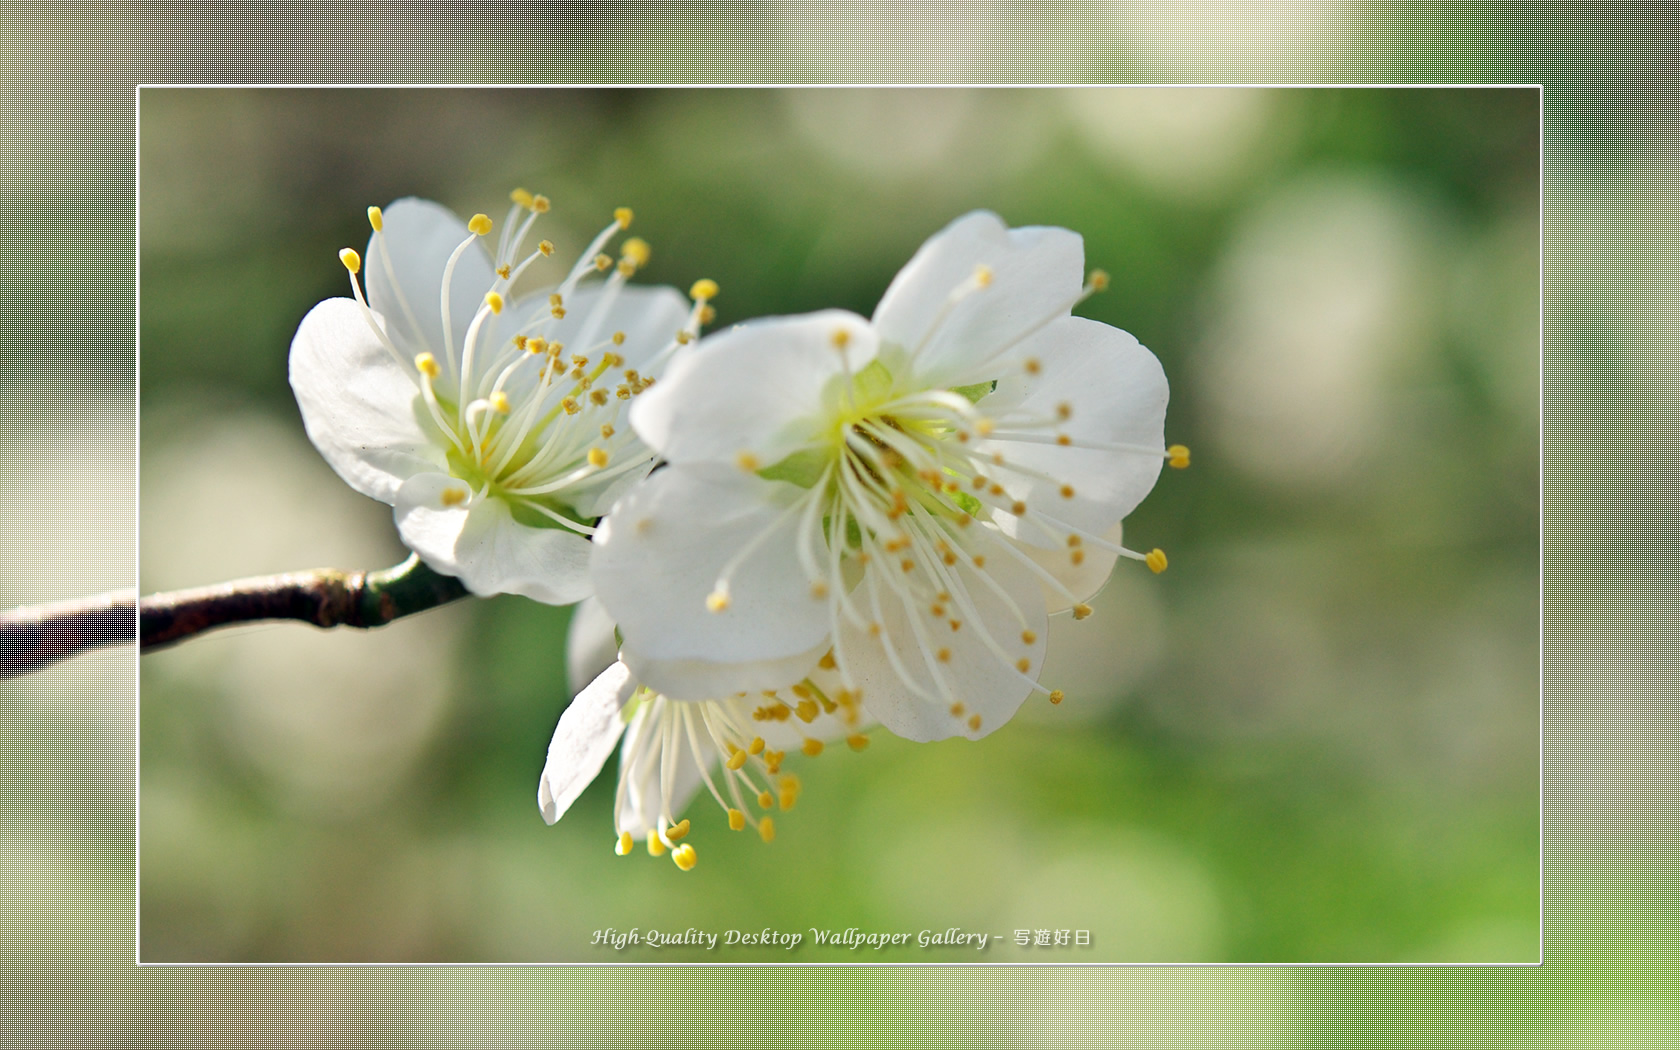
{"x":853,"y":521}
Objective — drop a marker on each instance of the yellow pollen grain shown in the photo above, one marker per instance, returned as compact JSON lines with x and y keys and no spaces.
{"x":427,"y":365}
{"x":684,"y":856}
{"x":376,"y":218}
{"x":704,"y":288}
{"x":1073,"y":539}
{"x":677,"y":831}
{"x":350,"y":259}
{"x":539,"y":203}
{"x":623,"y":216}
{"x":983,"y":276}
{"x":1156,"y":560}
{"x":479,"y":224}
{"x":907,"y":565}
{"x":766,"y":800}
{"x":1063,"y":440}
{"x":499,"y":402}
{"x":857,"y":741}
{"x":974,"y":722}
{"x":936,"y":610}
{"x":1023,"y":665}
{"x":874,"y":630}
{"x":494,"y":301}
{"x":819,"y":589}
{"x":767,"y":828}
{"x":1066,"y":491}
{"x":1033,"y":367}
{"x":1029,"y":637}
{"x":625,"y":843}
{"x":1064,"y":411}
{"x":958,"y":710}
{"x":637,"y":251}
{"x":812,"y":747}
{"x":1017,"y":508}
{"x":1081,"y":611}
{"x":956,"y":625}
{"x":746,"y":461}
{"x":737,"y":820}
{"x":717,"y":601}
{"x":452,"y":497}
{"x":1077,"y":557}
{"x":1056,"y":696}
{"x":1178,"y":457}
{"x":979,"y":561}
{"x":597,"y":458}
{"x":950,"y":557}
{"x":944,"y":656}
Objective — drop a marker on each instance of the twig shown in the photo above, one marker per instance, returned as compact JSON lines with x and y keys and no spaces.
{"x":33,"y":637}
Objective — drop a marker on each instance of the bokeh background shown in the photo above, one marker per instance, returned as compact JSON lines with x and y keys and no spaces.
{"x":1314,"y":739}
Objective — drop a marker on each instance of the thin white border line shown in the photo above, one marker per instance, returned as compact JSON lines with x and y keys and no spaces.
{"x":610,"y":85}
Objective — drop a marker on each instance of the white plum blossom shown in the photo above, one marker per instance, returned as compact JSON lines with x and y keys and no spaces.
{"x":911,"y":495}
{"x":494,"y":426}
{"x":732,"y":747}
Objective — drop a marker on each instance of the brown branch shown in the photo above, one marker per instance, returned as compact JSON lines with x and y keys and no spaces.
{"x":33,"y":637}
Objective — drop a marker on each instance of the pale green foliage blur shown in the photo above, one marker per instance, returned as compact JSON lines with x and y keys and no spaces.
{"x":1315,"y":738}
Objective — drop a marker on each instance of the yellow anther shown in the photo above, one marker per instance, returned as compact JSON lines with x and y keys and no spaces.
{"x":1063,"y":440}
{"x":875,"y":630}
{"x":504,"y":271}
{"x":766,"y":800}
{"x":974,"y":723}
{"x":737,"y":820}
{"x":521,"y":196}
{"x":958,"y":710}
{"x":767,"y":828}
{"x":427,"y":365}
{"x":603,"y":262}
{"x":737,"y":758}
{"x":626,"y":268}
{"x":956,"y":625}
{"x":499,"y":403}
{"x":1074,"y":540}
{"x":982,"y":276}
{"x":1066,"y":491}
{"x":1077,"y":557}
{"x":655,"y":847}
{"x":944,"y":656}
{"x":1081,"y":611}
{"x":1017,"y":508}
{"x":683,"y":338}
{"x":756,"y":746}
{"x":479,"y":224}
{"x":857,"y":741}
{"x":597,"y":458}
{"x":979,"y":561}
{"x":570,"y":405}
{"x":1029,"y":637}
{"x":546,"y":247}
{"x":746,"y":461}
{"x":827,"y":662}
{"x":1064,"y":410}
{"x":1033,"y":367}
{"x":539,"y":203}
{"x":819,"y":589}
{"x":707,"y":315}
{"x":841,"y":338}
{"x":1056,"y":696}
{"x":676,"y":831}
{"x":623,"y":216}
{"x":618,"y":340}
{"x":637,"y":251}
{"x":684,"y":856}
{"x":452,"y":497}
{"x":1099,"y":280}
{"x":607,"y":431}
{"x":907,"y":565}
{"x":625,"y":844}
{"x":806,"y":710}
{"x":1023,"y":665}
{"x":350,"y":259}
{"x":790,"y":786}
{"x":376,"y":218}
{"x":984,"y":426}
{"x":704,"y":288}
{"x":1178,"y":456}
{"x":812,"y":747}
{"x":494,"y":301}
{"x":1156,"y":560}
{"x":717,"y":601}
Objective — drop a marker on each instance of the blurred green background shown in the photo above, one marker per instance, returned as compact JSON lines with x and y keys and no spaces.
{"x":1314,"y":739}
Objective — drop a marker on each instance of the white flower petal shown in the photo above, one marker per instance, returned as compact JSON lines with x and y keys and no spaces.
{"x":696,"y":679}
{"x":1117,"y":394}
{"x":658,"y":556}
{"x":589,"y":729}
{"x":975,"y":676}
{"x":480,"y":542}
{"x":641,"y":764}
{"x":1083,"y":580}
{"x":1036,"y":274}
{"x":759,"y":388}
{"x":359,"y":407}
{"x":591,"y":645}
{"x":405,"y":275}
